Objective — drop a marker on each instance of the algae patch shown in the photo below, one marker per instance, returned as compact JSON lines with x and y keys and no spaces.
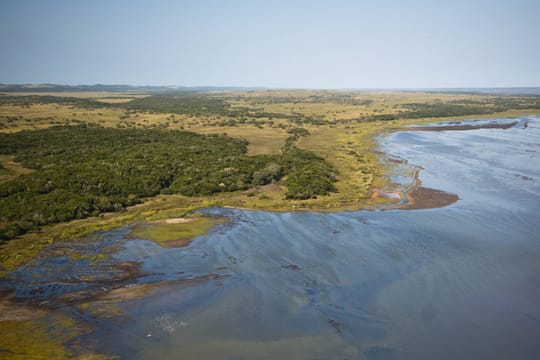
{"x":176,"y":232}
{"x":51,"y":338}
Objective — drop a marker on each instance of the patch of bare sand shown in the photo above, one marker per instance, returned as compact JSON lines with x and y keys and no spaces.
{"x":425,"y":198}
{"x":118,"y":292}
{"x":131,"y":292}
{"x":177,"y":220}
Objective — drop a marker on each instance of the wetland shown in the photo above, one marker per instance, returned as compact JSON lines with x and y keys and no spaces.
{"x":441,"y":247}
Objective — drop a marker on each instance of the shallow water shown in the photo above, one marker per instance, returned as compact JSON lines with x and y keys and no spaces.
{"x":459,"y":282}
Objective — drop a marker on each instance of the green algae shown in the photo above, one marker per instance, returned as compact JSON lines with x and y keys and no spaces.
{"x":174,"y":232}
{"x":20,"y":251}
{"x":51,"y":338}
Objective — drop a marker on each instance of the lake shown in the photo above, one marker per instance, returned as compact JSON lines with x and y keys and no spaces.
{"x":456,"y":282}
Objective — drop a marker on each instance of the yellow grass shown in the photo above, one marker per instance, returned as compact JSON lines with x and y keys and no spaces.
{"x":383,"y":102}
{"x":261,"y":141}
{"x":12,"y":169}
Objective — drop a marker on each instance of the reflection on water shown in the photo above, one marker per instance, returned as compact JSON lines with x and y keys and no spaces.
{"x":459,"y":282}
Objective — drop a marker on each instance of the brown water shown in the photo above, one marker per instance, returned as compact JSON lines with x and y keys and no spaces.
{"x":458,"y":282}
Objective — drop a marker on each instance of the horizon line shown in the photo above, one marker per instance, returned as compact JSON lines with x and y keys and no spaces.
{"x":263,"y":87}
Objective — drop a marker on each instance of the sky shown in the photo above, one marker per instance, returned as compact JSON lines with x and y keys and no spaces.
{"x":279,"y":44}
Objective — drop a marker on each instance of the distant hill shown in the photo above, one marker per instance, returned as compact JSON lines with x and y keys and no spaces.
{"x":48,"y":88}
{"x":112,"y":88}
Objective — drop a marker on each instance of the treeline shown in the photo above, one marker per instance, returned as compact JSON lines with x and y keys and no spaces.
{"x":83,"y":171}
{"x":210,"y":104}
{"x":308,"y":175}
{"x":342,"y":98}
{"x":27,"y":100}
{"x":184,"y":103}
{"x":196,"y":104}
{"x":461,"y":107}
{"x":188,"y":104}
{"x":421,"y":110}
{"x":113,"y":88}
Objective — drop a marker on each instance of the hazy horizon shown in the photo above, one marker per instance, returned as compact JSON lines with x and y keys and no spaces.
{"x":172,"y":86}
{"x":295,"y":45}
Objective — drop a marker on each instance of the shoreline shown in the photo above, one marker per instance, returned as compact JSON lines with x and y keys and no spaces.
{"x":462,"y":127}
{"x":417,"y":197}
{"x":270,"y":198}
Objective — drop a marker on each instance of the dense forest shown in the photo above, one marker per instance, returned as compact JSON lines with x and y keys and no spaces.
{"x":82,"y":171}
{"x":27,"y":100}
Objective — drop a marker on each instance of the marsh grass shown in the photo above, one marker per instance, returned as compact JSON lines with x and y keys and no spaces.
{"x":45,"y":338}
{"x":167,"y":234}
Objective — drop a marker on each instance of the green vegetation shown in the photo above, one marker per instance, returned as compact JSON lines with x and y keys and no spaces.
{"x":201,"y":104}
{"x":300,"y":108}
{"x":190,"y":104}
{"x":83,"y":171}
{"x":298,"y":132}
{"x":419,"y":110}
{"x":462,"y":107}
{"x":60,"y":173}
{"x":54,"y":338}
{"x":27,"y":100}
{"x":308,"y":174}
{"x":197,"y":104}
{"x":171,"y":233}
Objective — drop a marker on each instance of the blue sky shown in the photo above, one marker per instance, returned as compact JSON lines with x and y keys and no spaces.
{"x":293,"y":43}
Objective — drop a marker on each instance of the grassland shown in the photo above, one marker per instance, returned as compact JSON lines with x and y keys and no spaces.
{"x":10,"y":169}
{"x":338,"y":126}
